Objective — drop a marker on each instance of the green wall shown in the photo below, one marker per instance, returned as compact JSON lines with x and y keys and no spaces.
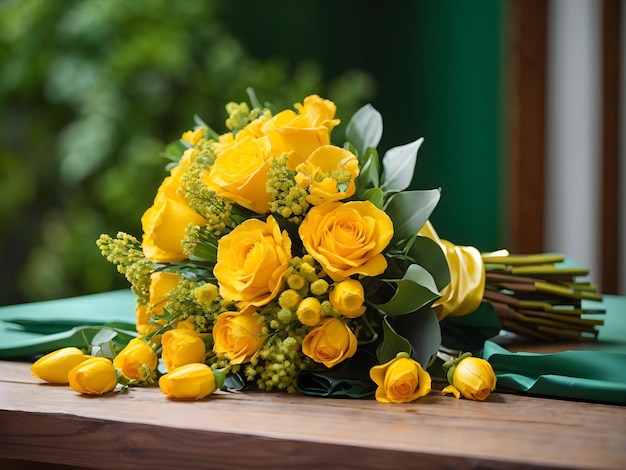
{"x":438,"y":69}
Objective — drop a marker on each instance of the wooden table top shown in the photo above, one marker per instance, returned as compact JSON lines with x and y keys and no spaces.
{"x":47,"y":423}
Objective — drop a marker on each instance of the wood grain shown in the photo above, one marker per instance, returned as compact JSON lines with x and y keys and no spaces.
{"x":45,"y":423}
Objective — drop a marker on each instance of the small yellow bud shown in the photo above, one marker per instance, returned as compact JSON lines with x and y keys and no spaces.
{"x":296,"y":281}
{"x":309,"y":311}
{"x":206,"y":293}
{"x":348,"y":297}
{"x":319,"y":287}
{"x":308,"y":272}
{"x":289,"y":299}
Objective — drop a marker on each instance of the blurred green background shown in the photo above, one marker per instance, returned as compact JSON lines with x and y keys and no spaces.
{"x":91,"y":91}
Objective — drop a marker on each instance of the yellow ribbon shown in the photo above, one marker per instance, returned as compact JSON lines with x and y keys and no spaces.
{"x":467,"y":277}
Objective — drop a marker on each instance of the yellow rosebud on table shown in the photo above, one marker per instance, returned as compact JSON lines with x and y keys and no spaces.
{"x":137,"y":361}
{"x":182,"y":346}
{"x":54,"y":367}
{"x":471,"y":377}
{"x":330,"y":342}
{"x":401,"y":380}
{"x":95,"y":376}
{"x":188,"y":382}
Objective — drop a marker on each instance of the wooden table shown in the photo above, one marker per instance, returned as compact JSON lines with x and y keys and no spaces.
{"x":142,"y":429}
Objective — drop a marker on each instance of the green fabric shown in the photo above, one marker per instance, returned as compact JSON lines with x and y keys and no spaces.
{"x":350,"y":379}
{"x":40,"y":327}
{"x":586,"y":375}
{"x":597,"y":374}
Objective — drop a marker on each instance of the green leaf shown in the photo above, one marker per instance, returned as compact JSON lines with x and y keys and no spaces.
{"x":428,"y":254}
{"x":104,"y":336}
{"x":375,"y":196}
{"x":365,"y":129}
{"x":369,"y":172}
{"x":234,"y":382}
{"x":399,"y":166}
{"x":423,"y":332}
{"x":174,"y":150}
{"x":409,"y":211}
{"x":416,"y":289}
{"x":392,"y":343}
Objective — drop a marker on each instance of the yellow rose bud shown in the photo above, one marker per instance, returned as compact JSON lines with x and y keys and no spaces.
{"x":189,"y":382}
{"x":473,"y":378}
{"x":193,"y":136}
{"x":400,"y":380}
{"x":347,"y":238}
{"x":309,"y":311}
{"x":330,"y":343}
{"x":137,"y":361}
{"x":238,"y":335}
{"x":55,"y":366}
{"x":182,"y":346}
{"x":252,"y":261}
{"x":95,"y":376}
{"x":347,"y":298}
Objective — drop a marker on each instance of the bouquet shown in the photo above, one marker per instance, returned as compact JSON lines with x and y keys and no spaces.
{"x":272,"y":259}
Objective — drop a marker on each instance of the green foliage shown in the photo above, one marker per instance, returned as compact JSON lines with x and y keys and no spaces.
{"x":91,"y":93}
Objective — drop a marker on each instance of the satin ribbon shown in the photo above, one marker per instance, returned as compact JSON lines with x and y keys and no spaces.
{"x":467,"y":277}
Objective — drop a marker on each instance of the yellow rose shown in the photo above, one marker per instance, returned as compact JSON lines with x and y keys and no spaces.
{"x":330,"y":342}
{"x":328,"y":174}
{"x":239,"y":335}
{"x":137,"y":361}
{"x":252,"y":261}
{"x":160,"y":285}
{"x":309,"y":311}
{"x":95,"y":376}
{"x":55,"y":366}
{"x":347,"y":238}
{"x":189,"y":382}
{"x":239,"y":174}
{"x":165,"y":222}
{"x":473,"y":378}
{"x":347,"y":298}
{"x":301,"y":133}
{"x":193,"y":136}
{"x":182,"y":346}
{"x":400,"y":380}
